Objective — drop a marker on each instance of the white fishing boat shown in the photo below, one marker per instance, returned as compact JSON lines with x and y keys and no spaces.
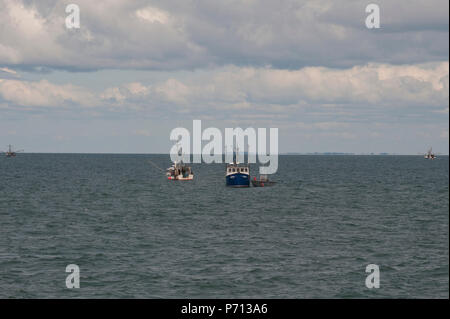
{"x":179,"y":171}
{"x":430,"y":154}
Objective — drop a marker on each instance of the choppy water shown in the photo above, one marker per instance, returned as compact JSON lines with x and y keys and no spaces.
{"x":135,"y":234}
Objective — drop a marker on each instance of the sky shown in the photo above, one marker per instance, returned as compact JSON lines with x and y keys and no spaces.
{"x":135,"y":70}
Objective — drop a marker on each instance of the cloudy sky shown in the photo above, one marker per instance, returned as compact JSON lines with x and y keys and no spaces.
{"x":135,"y":70}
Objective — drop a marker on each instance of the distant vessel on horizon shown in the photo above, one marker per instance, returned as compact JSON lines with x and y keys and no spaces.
{"x":430,"y":154}
{"x":10,"y":152}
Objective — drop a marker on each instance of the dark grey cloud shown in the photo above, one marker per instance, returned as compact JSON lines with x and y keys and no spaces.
{"x":174,"y":35}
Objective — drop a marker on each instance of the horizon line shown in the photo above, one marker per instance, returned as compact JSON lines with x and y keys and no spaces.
{"x":284,"y":153}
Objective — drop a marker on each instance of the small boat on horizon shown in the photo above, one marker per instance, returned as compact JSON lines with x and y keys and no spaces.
{"x":430,"y":154}
{"x":10,"y":152}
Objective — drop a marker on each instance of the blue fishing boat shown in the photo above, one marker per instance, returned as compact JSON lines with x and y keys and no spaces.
{"x":237,"y":175}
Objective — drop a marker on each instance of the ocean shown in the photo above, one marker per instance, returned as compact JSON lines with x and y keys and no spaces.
{"x":134,"y":234}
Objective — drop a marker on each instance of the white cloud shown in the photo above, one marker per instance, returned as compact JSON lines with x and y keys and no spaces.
{"x":137,"y":88}
{"x":128,"y":92}
{"x":257,"y":90}
{"x":371,"y":85}
{"x":168,"y":35}
{"x":153,"y":15}
{"x":173,"y":90}
{"x":28,"y":37}
{"x":8,"y":71}
{"x":25,"y":19}
{"x":113,"y":94}
{"x":44,"y":93}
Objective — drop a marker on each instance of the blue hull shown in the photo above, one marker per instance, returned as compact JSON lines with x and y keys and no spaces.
{"x":238,"y":180}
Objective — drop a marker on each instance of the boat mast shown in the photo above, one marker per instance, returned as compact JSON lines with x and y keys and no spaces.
{"x":180,"y":153}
